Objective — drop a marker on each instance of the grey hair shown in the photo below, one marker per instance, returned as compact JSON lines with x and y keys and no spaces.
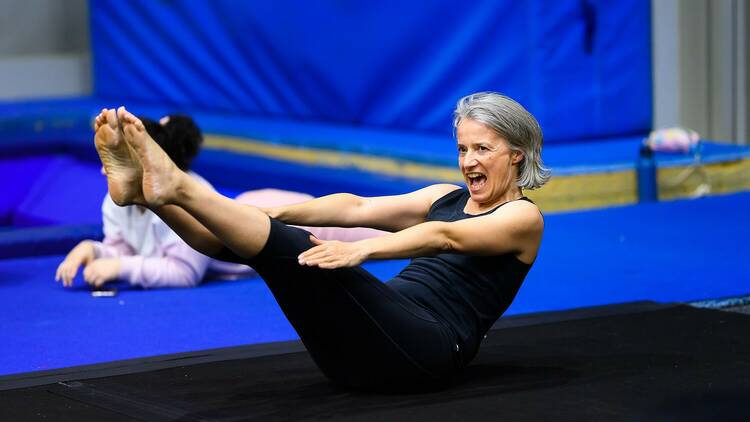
{"x":511,"y":121}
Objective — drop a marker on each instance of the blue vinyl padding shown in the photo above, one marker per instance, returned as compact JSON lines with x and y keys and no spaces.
{"x":44,"y":184}
{"x":389,"y":65}
{"x":64,"y":192}
{"x":46,"y":240}
{"x":669,"y":251}
{"x":51,"y":189}
{"x":60,"y":197}
{"x":251,"y":172}
{"x":22,"y":171}
{"x":64,"y":126}
{"x":47,"y":152}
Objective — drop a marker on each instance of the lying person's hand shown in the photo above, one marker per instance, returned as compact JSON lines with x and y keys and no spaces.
{"x":331,"y":254}
{"x":82,"y":254}
{"x":101,"y":271}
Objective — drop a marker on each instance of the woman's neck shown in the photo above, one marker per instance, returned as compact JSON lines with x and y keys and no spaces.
{"x":473,"y":207}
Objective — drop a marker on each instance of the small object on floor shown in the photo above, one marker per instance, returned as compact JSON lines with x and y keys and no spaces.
{"x":104,"y":293}
{"x":674,"y":139}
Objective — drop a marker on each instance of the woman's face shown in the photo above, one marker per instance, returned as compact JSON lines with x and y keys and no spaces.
{"x":486,"y":161}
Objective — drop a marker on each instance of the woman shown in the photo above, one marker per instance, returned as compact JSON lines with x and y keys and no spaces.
{"x":472,"y":247}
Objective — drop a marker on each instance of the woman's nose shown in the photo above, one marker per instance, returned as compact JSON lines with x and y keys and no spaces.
{"x":469,"y":159}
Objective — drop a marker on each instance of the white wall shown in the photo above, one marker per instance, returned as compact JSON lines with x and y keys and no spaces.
{"x":700,"y":62}
{"x":44,"y":49}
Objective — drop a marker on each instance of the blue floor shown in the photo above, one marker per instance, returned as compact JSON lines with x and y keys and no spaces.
{"x":670,"y":251}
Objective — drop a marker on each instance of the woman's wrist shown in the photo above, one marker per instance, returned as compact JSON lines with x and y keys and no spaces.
{"x":367,"y":248}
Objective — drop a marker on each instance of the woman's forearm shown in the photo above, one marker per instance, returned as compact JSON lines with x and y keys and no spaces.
{"x":419,"y":240}
{"x":424,"y":239}
{"x":341,"y":210}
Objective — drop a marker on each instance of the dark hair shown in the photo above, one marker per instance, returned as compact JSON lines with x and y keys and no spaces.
{"x":180,"y":138}
{"x":159,"y":134}
{"x":185,"y":139}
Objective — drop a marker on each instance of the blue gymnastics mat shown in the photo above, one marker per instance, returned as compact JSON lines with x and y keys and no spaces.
{"x":666,"y":252}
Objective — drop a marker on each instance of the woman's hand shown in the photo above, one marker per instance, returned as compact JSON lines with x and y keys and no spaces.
{"x":331,"y":254}
{"x":82,"y":254}
{"x":101,"y":271}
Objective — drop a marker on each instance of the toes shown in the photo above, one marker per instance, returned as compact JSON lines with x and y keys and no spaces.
{"x":104,"y":132}
{"x":123,"y":115}
{"x":130,"y":118}
{"x":111,"y":118}
{"x":100,"y":119}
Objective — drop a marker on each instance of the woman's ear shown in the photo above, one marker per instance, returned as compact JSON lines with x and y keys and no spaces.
{"x":517,"y":157}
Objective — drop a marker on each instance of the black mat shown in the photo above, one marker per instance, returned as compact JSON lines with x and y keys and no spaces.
{"x":652,"y":363}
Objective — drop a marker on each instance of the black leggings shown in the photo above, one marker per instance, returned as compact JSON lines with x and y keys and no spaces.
{"x":359,"y":331}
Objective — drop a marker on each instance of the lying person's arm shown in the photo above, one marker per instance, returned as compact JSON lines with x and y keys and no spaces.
{"x":181,"y":266}
{"x":82,"y":254}
{"x":174,"y":264}
{"x":112,"y":247}
{"x":88,"y":251}
{"x":515,"y":228}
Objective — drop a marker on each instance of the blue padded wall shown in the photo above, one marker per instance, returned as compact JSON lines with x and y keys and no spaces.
{"x":43,"y":187}
{"x":581,"y":66}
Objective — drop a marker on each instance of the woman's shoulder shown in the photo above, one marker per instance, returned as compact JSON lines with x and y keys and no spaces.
{"x":445,"y":191}
{"x":523,"y":212}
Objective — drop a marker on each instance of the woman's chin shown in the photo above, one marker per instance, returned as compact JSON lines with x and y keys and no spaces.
{"x":479,"y":196}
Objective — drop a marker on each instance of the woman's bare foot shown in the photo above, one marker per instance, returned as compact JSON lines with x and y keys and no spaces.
{"x":120,"y":163}
{"x":161,"y":177}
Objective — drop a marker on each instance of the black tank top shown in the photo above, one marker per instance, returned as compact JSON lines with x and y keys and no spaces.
{"x":469,"y":293}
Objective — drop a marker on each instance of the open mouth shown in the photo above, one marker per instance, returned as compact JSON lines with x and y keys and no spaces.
{"x":476,"y":181}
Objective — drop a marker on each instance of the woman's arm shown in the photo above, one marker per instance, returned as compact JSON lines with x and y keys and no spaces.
{"x":390,"y":213}
{"x":515,"y":228}
{"x":269,"y":198}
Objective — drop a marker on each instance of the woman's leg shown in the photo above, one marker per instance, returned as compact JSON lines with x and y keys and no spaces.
{"x":194,"y":233}
{"x":124,"y":178}
{"x":358,"y":330}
